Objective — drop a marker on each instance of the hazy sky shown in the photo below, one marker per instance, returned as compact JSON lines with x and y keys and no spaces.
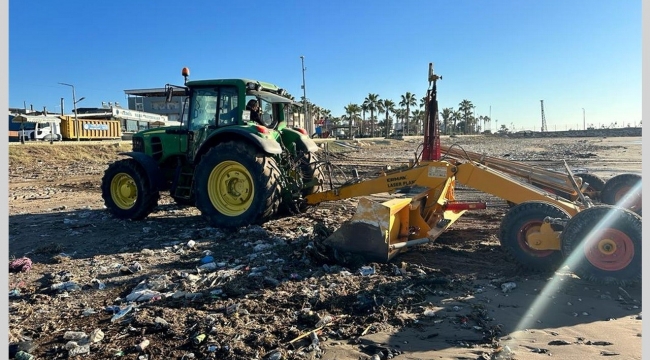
{"x":503,"y":55}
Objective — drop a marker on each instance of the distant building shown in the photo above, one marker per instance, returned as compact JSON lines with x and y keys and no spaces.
{"x":153,"y":101}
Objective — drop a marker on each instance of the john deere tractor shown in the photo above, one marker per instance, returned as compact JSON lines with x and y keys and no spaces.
{"x":234,"y":170}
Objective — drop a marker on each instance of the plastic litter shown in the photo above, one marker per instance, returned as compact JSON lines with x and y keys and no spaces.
{"x":507,"y":287}
{"x":121,"y":313}
{"x":367,"y":270}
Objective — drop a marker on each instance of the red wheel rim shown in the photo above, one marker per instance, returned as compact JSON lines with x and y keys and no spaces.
{"x":633,"y":202}
{"x":610,"y":250}
{"x":529,"y":228}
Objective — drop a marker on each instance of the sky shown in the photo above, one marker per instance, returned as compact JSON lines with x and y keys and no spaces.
{"x":503,"y":56}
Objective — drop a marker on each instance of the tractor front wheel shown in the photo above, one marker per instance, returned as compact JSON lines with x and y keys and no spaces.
{"x":603,"y":244}
{"x":624,"y":191}
{"x":236,"y":185}
{"x":127,"y":192}
{"x":519,"y":224}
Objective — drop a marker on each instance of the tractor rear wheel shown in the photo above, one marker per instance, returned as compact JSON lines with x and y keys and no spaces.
{"x":595,"y":186}
{"x":236,"y":185}
{"x":311,"y":171}
{"x":624,"y":191}
{"x":522,"y":221}
{"x":603,"y":244}
{"x":127,"y":192}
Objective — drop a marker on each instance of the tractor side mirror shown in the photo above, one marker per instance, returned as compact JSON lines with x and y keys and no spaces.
{"x":169,"y":93}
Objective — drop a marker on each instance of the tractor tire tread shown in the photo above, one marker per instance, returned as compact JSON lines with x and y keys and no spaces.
{"x":583,"y":223}
{"x":142,"y":208}
{"x":511,"y":225}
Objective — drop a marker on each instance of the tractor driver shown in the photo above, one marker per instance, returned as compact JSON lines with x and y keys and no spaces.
{"x":254,"y":107}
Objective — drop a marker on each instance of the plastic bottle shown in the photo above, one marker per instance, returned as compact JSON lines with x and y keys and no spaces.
{"x":74,"y":335}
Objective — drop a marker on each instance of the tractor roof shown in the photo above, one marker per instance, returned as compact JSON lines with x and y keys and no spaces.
{"x":236,"y":82}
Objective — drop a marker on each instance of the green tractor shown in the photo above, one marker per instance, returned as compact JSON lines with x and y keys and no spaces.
{"x":234,"y":170}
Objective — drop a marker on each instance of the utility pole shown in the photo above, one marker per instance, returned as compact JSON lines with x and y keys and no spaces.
{"x":543,"y":117}
{"x":584,"y":123}
{"x":304,"y":94}
{"x":74,"y":104}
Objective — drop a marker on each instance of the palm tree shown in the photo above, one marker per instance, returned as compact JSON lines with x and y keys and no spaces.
{"x":418,"y":115}
{"x":371,"y":102}
{"x":446,"y":114}
{"x":352,"y":113}
{"x":399,"y":114}
{"x":455,"y":116}
{"x":465,"y":107}
{"x":388,"y":106}
{"x":423,"y":102}
{"x":364,"y":108}
{"x":408,"y":100}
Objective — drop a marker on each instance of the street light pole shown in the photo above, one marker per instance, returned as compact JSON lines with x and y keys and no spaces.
{"x":304,"y":93}
{"x":584,"y":123}
{"x":74,"y":104}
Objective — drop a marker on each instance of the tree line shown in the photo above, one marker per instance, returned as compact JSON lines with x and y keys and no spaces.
{"x":377,"y":117}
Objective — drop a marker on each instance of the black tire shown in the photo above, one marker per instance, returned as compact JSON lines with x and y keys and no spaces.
{"x":262,"y":175}
{"x":617,"y":188}
{"x":525,"y":218}
{"x":596,"y":185}
{"x":603,"y":244}
{"x":311,"y":170}
{"x":127,"y":192}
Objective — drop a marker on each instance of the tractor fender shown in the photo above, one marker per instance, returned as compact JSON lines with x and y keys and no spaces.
{"x":303,"y":142}
{"x":150,"y":166}
{"x":269,"y":146}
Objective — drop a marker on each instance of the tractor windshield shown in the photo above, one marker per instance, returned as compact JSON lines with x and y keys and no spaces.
{"x":203,"y":108}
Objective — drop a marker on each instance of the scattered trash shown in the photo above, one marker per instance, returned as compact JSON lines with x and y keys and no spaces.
{"x":74,"y":335}
{"x":209,"y":266}
{"x":21,"y":355}
{"x":98,"y":284}
{"x":121,"y":313}
{"x":429,"y":313}
{"x":198,"y":339}
{"x":367,"y":270}
{"x":22,"y":264}
{"x":207,"y":259}
{"x":190,"y":244}
{"x":66,"y":286}
{"x":96,"y":335}
{"x":507,"y":287}
{"x":142,"y":345}
{"x":79,"y":350}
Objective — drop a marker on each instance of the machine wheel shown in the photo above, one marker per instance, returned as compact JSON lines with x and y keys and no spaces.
{"x":311,"y":169}
{"x":615,"y":192}
{"x":235,"y":185}
{"x":523,"y":220}
{"x":603,"y":244}
{"x":595,"y":186}
{"x":127,"y":192}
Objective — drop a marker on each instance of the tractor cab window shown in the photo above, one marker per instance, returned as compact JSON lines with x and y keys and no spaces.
{"x":267,"y":111}
{"x":204,"y":108}
{"x":228,"y":109}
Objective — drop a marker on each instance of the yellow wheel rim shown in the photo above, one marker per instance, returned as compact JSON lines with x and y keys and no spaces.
{"x":607,"y":246}
{"x":231,"y":188}
{"x":124,"y":192}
